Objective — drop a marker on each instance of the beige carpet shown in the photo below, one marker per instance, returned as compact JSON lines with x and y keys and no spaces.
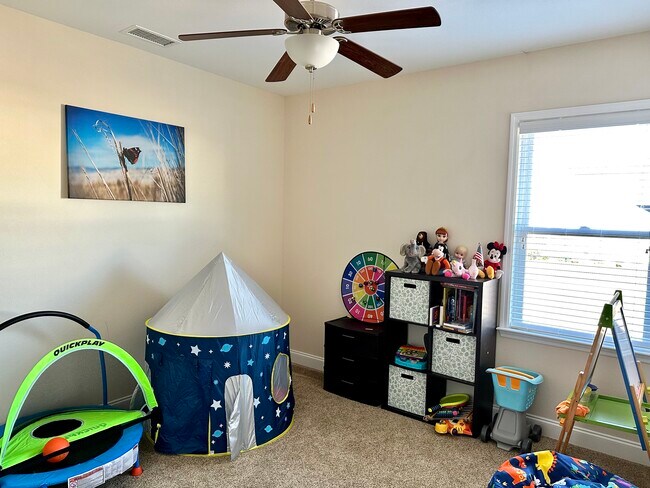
{"x":340,"y":443}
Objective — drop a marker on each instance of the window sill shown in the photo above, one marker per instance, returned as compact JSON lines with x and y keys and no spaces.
{"x":575,"y":345}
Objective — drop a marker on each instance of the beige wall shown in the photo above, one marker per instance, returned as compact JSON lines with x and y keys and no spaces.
{"x":386,"y":159}
{"x":382,"y":161}
{"x":116,"y":263}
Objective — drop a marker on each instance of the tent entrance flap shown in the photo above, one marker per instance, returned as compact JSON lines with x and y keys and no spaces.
{"x":240,"y":414}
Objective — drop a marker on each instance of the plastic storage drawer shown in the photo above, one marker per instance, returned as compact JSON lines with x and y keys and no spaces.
{"x":409,"y":300}
{"x":407,"y":390}
{"x":453,"y":355}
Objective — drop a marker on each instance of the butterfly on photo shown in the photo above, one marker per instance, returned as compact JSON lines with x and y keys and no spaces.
{"x":132,"y":154}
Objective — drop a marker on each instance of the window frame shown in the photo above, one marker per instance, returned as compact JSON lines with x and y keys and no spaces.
{"x":516,"y":119}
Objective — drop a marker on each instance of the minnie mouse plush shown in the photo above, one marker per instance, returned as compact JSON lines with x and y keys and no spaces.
{"x":492,"y":264}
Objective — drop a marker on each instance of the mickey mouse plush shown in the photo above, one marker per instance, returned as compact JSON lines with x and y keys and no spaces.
{"x":492,"y":263}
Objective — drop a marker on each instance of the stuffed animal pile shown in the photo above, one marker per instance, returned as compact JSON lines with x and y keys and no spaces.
{"x":419,"y":252}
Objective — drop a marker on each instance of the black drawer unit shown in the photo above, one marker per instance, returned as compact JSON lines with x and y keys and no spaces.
{"x":355,"y":359}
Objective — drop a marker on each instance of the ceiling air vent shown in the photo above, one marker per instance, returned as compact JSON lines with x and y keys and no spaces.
{"x":149,"y":35}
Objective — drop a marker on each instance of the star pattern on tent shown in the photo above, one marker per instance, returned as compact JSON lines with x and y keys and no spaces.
{"x":178,"y":344}
{"x":285,"y":335}
{"x":196,"y":350}
{"x":151,"y":355}
{"x":250,"y":362}
{"x":250,"y":346}
{"x":256,"y":402}
{"x":148,"y":340}
{"x":270,"y":398}
{"x":288,"y":405}
{"x":226,"y":364}
{"x":277,"y":412}
{"x":216,"y":404}
{"x":267,"y":355}
{"x":210,"y":351}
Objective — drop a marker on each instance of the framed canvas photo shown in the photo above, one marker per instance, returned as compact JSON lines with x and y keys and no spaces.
{"x":114,"y":157}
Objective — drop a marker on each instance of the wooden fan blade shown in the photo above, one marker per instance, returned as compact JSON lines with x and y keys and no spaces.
{"x":367,"y":58}
{"x":293,"y":8}
{"x":222,"y":35}
{"x":282,"y":69}
{"x":398,"y":19}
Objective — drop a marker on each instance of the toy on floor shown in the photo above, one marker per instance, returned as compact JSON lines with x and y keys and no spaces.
{"x":550,"y":468}
{"x":218,"y":352}
{"x":66,"y":446}
{"x":624,"y":414}
{"x":449,"y":402}
{"x":514,"y":391}
{"x":462,"y":426}
{"x":453,"y":415}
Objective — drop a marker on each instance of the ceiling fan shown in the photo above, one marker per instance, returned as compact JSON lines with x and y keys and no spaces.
{"x":313,"y":43}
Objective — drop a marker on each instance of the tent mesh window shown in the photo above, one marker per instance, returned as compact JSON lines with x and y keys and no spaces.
{"x":280,"y":378}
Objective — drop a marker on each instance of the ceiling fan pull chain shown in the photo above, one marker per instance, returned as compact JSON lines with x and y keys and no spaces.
{"x":312,"y":104}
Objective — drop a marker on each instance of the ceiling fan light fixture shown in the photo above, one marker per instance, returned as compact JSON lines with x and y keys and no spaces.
{"x":311,"y":50}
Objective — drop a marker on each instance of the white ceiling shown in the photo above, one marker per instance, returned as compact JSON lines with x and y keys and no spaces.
{"x":471,"y":30}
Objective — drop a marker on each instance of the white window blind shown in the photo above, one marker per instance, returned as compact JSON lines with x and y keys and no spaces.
{"x":580,"y":222}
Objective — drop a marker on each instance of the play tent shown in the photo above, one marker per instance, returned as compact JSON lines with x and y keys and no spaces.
{"x":218,"y":353}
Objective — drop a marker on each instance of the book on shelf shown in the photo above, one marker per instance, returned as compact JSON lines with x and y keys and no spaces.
{"x":458,"y":306}
{"x":456,"y":327}
{"x":434,"y":315}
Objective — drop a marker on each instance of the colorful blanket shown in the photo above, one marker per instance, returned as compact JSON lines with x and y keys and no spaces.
{"x":549,"y":468}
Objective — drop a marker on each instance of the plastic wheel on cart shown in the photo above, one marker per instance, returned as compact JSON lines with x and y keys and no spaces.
{"x":526,"y":446}
{"x":535,"y":433}
{"x":486,"y":432}
{"x":362,"y":285}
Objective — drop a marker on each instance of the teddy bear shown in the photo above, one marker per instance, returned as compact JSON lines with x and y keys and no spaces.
{"x":492,"y":263}
{"x":412,"y":253}
{"x":436,"y":263}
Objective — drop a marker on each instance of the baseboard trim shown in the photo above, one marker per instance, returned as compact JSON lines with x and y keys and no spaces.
{"x":581,"y":436}
{"x":594,"y":440}
{"x":307,"y":360}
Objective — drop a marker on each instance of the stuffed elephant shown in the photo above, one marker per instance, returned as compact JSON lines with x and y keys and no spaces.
{"x":412,"y":253}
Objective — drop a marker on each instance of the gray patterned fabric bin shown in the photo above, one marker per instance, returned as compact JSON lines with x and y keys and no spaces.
{"x":407,"y":389}
{"x":453,"y":355}
{"x":409,"y":300}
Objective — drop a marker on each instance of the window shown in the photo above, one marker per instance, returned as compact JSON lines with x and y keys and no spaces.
{"x":578,"y":220}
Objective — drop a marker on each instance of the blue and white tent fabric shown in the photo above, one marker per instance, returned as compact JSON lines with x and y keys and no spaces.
{"x":219,"y":358}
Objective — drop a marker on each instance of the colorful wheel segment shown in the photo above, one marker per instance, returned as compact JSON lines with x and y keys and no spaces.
{"x":362,"y":285}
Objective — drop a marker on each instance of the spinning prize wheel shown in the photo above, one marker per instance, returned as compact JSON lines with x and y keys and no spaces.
{"x":362,"y":285}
